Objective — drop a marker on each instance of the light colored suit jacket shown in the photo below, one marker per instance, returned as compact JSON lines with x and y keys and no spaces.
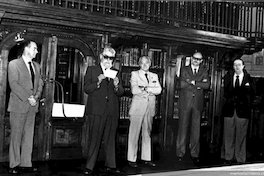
{"x":21,"y":86}
{"x":141,"y":99}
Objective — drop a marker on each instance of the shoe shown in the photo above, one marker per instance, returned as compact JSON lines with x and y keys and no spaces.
{"x":28,"y":169}
{"x":228,"y":162}
{"x":196,"y":160}
{"x":13,"y":170}
{"x":132,"y":164}
{"x":180,"y":158}
{"x":112,"y":170}
{"x":87,"y":171}
{"x":149,"y":163}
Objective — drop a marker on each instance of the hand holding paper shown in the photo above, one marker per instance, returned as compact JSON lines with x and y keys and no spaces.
{"x":110,"y":73}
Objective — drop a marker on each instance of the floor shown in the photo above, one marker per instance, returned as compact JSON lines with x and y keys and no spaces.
{"x":164,"y":165}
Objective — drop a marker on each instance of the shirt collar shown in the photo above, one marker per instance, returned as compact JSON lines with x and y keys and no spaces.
{"x":26,"y":60}
{"x":144,"y":72}
{"x":195,"y":67}
{"x":240,"y":75}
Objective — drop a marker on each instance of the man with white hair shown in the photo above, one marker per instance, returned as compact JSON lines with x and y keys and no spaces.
{"x":144,"y":87}
{"x":193,"y":81}
{"x":102,"y":110}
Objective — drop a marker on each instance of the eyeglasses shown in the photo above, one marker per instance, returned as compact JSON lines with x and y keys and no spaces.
{"x":197,"y":58}
{"x":108,"y":58}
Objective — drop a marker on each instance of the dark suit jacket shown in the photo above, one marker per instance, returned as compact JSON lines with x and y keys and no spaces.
{"x":240,"y":99}
{"x":189,"y":92}
{"x":21,"y":85}
{"x":98,"y":98}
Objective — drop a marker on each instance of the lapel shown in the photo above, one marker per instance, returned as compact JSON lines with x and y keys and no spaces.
{"x":244,"y":80}
{"x":24,"y":68}
{"x":190,"y":72}
{"x":142,"y":76}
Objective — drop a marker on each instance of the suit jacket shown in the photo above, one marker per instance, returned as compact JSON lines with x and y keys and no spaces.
{"x":141,"y":100}
{"x":189,"y":92}
{"x":21,"y":85}
{"x":99,"y":98}
{"x":240,"y":99}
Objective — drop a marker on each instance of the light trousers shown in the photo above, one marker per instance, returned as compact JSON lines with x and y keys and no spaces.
{"x":21,"y":141}
{"x":137,"y":123}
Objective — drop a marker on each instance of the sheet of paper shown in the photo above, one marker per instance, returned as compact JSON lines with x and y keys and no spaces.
{"x":110,"y":73}
{"x":71,"y":110}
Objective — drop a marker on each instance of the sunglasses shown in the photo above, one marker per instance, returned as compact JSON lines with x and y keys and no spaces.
{"x":108,"y":58}
{"x":197,"y":58}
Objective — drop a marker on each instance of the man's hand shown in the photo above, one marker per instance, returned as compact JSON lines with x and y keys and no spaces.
{"x":32,"y":100}
{"x":116,"y":81}
{"x":190,"y":81}
{"x":100,"y":78}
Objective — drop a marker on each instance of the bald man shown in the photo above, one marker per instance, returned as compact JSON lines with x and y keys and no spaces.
{"x":102,"y":110}
{"x":193,"y":81}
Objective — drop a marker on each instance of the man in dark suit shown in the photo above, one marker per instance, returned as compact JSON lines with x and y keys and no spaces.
{"x":102,"y":110}
{"x":194,"y":80}
{"x":26,"y":88}
{"x":239,"y":92}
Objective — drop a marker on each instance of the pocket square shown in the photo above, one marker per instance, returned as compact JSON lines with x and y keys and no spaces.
{"x":247,"y":84}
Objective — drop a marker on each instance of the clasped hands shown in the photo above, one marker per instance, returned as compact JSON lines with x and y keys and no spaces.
{"x":32,"y":100}
{"x":143,"y":88}
{"x":190,"y":81}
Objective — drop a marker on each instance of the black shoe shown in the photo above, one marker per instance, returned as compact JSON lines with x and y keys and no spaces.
{"x":87,"y":172}
{"x":13,"y":170}
{"x":196,"y":160}
{"x":28,"y":169}
{"x":228,"y":162}
{"x":149,"y":163}
{"x":180,"y":158}
{"x":112,"y":170}
{"x":132,"y":164}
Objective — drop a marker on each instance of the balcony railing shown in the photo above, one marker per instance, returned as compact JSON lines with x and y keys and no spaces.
{"x":236,"y":18}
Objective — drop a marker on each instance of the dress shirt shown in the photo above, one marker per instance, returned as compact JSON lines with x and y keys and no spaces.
{"x":241,"y":76}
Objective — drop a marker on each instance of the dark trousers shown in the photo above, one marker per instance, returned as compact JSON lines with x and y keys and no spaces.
{"x":101,"y":128}
{"x":189,"y":117}
{"x":235,"y":134}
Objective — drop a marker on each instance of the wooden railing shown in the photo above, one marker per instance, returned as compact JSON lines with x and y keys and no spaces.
{"x":236,"y":18}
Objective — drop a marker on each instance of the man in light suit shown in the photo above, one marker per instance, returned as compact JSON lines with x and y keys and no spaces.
{"x":194,"y":80}
{"x":26,"y":88}
{"x":144,"y":87}
{"x":102,"y":111}
{"x":239,"y":90}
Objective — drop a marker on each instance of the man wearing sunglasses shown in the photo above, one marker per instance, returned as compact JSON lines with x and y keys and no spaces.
{"x":102,"y":111}
{"x":193,"y":81}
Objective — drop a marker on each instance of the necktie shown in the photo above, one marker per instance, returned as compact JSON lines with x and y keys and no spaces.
{"x":107,"y":79}
{"x":147,"y":76}
{"x":32,"y":73}
{"x":237,"y":82}
{"x":195,"y":71}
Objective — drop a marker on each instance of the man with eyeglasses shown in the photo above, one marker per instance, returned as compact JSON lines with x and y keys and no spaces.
{"x":102,"y":111}
{"x":193,"y":81}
